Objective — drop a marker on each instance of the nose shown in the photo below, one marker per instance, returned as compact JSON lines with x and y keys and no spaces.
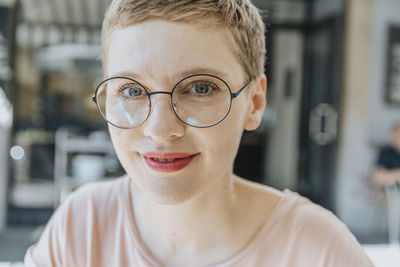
{"x":162,"y":125}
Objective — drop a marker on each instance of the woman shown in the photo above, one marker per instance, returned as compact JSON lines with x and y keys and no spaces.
{"x":387,"y":170}
{"x":183,"y":80}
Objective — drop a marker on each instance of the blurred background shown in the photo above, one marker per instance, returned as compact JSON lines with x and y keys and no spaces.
{"x":333,"y":73}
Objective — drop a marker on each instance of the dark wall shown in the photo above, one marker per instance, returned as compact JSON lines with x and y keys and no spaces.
{"x":4,"y":25}
{"x":4,"y":17}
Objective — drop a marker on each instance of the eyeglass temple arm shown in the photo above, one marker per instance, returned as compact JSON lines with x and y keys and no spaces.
{"x":94,"y":99}
{"x":241,"y":89}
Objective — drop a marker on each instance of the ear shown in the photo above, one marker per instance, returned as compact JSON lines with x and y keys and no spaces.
{"x":258,"y":102}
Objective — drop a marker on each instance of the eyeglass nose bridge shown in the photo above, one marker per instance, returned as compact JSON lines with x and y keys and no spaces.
{"x":160,"y":92}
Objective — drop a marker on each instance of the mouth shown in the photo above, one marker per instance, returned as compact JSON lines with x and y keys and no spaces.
{"x":168,"y":162}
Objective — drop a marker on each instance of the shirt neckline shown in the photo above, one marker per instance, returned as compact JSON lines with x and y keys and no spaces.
{"x":253,"y":243}
{"x":260,"y":235}
{"x":141,"y":246}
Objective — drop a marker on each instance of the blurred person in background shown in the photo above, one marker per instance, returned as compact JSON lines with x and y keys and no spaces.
{"x":387,"y":170}
{"x":387,"y":175}
{"x":183,"y":80}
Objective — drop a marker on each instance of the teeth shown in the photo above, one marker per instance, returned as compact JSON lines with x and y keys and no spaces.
{"x":164,"y":160}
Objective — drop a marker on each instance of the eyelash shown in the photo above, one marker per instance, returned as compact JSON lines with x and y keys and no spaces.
{"x":120,"y":89}
{"x":212,"y":85}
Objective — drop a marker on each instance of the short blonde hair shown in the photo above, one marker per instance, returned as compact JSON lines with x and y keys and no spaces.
{"x":241,"y":17}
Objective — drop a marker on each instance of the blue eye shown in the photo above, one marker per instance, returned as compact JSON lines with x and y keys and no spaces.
{"x":131,"y":90}
{"x":135,"y":91}
{"x":202,"y":88}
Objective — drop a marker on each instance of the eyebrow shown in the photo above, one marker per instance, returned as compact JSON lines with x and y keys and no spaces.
{"x":177,"y":76}
{"x":203,"y":71}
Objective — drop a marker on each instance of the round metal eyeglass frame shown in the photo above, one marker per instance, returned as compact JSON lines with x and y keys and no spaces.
{"x":232,"y":95}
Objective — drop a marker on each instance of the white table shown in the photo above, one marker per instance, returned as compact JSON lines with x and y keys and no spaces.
{"x":383,"y":255}
{"x":11,"y":264}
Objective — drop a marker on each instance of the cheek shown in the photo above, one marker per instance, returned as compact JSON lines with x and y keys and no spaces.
{"x":122,"y":141}
{"x":231,"y":130}
{"x":116,"y":137}
{"x":223,"y":141}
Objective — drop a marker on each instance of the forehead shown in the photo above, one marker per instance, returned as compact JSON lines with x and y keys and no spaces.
{"x":157,"y":48}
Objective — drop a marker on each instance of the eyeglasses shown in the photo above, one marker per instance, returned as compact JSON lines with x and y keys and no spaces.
{"x":199,"y":100}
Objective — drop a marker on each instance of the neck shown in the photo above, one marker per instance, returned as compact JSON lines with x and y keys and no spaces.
{"x":191,"y":227}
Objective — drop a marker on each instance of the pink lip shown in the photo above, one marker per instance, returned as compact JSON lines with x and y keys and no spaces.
{"x":181,"y":161}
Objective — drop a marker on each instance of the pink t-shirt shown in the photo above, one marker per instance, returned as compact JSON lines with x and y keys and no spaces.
{"x":95,"y":227}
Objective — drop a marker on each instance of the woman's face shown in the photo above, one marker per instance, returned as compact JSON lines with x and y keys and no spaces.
{"x":158,"y":54}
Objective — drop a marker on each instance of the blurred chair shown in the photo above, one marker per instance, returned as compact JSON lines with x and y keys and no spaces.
{"x":393,"y":197}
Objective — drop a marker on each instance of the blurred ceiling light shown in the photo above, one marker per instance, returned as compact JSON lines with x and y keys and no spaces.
{"x":6,"y":2}
{"x":17,"y":152}
{"x":66,"y":57}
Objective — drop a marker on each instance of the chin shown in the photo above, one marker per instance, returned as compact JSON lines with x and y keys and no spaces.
{"x":170,"y":192}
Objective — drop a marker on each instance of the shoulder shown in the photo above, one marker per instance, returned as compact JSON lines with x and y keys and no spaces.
{"x":89,"y":213}
{"x":298,"y":210}
{"x":300,"y":216}
{"x":316,"y":230}
{"x":92,"y":203}
{"x":92,"y":208}
{"x":306,"y":210}
{"x":312,"y":218}
{"x":298,"y":232}
{"x":101,"y":190}
{"x":312,"y":221}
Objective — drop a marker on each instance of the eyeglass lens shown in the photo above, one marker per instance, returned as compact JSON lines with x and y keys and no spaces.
{"x":198,"y":100}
